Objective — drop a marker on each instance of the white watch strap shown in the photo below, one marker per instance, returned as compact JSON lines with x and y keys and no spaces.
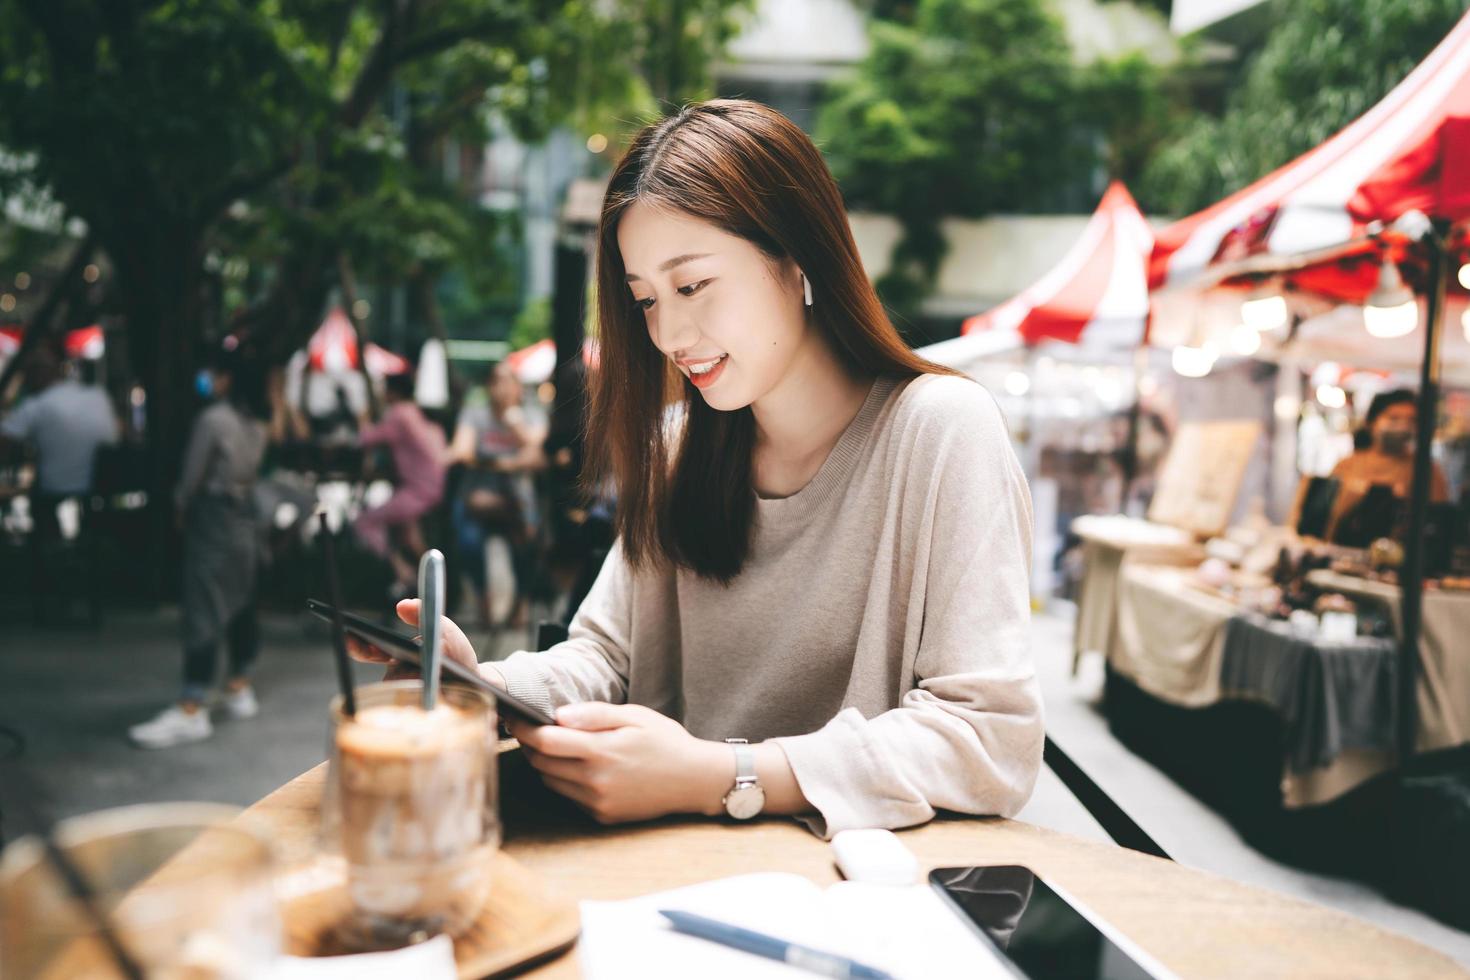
{"x":744,"y":762}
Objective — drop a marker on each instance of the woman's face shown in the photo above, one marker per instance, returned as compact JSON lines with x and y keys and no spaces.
{"x":713,"y":300}
{"x":502,"y":387}
{"x":1393,"y":430}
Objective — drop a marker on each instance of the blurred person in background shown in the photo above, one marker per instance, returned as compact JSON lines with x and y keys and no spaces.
{"x":1386,"y":460}
{"x":66,"y":422}
{"x":500,"y":447}
{"x":215,"y":508}
{"x":417,"y":446}
{"x":1382,"y":456}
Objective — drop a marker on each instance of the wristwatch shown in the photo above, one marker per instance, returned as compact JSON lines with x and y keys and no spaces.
{"x":746,"y":798}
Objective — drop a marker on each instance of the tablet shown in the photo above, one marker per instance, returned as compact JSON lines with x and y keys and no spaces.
{"x":406,"y":648}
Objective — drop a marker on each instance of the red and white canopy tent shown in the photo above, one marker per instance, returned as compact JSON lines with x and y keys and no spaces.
{"x":86,"y":343}
{"x":333,"y":347}
{"x":535,"y":364}
{"x":1383,"y":204}
{"x":1320,"y":228}
{"x":1096,"y":296}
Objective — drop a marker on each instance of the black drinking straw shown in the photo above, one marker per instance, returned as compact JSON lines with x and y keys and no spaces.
{"x":339,"y":632}
{"x":26,"y":798}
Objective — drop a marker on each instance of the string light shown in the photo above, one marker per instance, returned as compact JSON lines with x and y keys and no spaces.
{"x":1331,"y":396}
{"x":1245,"y":340}
{"x":1017,"y":383}
{"x":1391,"y":321}
{"x":1264,"y":313}
{"x":1392,"y":310}
{"x":1193,"y":362}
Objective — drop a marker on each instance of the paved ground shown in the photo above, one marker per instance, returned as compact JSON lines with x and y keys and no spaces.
{"x":72,"y":694}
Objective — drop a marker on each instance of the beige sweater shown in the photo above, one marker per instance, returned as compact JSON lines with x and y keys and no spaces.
{"x":878,"y":632}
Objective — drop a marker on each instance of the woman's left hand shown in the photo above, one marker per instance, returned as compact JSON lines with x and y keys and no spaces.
{"x":625,"y":762}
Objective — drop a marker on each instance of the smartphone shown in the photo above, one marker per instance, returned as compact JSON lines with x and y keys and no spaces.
{"x":1041,"y":931}
{"x":406,"y":648}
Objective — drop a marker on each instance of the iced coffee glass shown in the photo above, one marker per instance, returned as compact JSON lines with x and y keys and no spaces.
{"x":187,"y":891}
{"x":411,"y":804}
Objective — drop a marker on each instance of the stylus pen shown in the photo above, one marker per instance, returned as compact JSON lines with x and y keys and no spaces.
{"x":802,"y":957}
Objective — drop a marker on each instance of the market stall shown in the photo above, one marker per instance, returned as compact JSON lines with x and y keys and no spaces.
{"x":1198,"y":485}
{"x":1374,"y":217}
{"x":1359,"y":248}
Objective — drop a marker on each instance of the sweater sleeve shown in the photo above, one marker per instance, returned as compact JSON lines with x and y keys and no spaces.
{"x":593,"y":663}
{"x":968,"y":736}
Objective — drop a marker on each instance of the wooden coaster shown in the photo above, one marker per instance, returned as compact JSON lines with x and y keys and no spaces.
{"x":521,"y":924}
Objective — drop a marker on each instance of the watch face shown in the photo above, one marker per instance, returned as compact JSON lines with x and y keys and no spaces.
{"x":745,"y":802}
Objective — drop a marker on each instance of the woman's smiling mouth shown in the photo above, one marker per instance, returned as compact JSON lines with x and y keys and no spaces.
{"x":704,"y":373}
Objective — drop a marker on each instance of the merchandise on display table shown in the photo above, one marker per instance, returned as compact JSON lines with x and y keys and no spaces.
{"x":1176,"y":638}
{"x":1198,"y":484}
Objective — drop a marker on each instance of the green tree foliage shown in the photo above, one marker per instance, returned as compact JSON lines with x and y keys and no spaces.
{"x":533,"y":324}
{"x":972,"y":107}
{"x":257,"y":149}
{"x":1324,"y":63}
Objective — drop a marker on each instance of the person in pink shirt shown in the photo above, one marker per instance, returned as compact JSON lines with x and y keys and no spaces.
{"x":417,"y":445}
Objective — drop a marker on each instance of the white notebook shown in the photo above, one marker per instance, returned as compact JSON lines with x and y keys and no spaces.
{"x":907,"y":931}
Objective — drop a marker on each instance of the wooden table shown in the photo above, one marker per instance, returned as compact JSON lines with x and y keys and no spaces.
{"x":1197,"y":924}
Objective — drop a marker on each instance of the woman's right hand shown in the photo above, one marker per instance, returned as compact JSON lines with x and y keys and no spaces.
{"x":457,"y":646}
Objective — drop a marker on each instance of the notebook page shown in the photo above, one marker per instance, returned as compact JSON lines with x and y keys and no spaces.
{"x":906,"y":931}
{"x":629,"y":940}
{"x":910,"y":932}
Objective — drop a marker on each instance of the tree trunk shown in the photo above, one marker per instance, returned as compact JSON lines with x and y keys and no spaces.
{"x":161,"y":285}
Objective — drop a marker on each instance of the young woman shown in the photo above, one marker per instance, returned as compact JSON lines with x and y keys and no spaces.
{"x":818,"y":602}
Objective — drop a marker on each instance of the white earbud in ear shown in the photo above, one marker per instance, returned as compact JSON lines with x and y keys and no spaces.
{"x":806,"y":286}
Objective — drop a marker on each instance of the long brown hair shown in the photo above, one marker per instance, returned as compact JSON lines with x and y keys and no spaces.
{"x":750,"y":171}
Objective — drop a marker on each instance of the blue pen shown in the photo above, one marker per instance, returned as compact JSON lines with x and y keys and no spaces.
{"x":802,"y":957}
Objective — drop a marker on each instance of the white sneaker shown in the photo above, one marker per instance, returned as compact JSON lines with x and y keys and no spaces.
{"x":240,"y":704}
{"x":173,"y":726}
